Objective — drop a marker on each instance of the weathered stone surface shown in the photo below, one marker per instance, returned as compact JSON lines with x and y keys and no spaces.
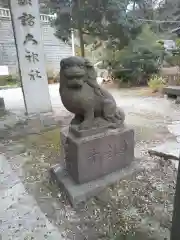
{"x":81,"y":94}
{"x":89,"y":158}
{"x":168,"y":150}
{"x":80,"y":193}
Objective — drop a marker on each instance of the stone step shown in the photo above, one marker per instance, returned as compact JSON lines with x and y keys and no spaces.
{"x":172,"y":91}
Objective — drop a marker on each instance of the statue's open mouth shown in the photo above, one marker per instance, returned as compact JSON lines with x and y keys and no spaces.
{"x":75,"y":83}
{"x":74,"y":74}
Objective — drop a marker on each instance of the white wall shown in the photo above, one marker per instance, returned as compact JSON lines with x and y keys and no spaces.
{"x":54,"y":48}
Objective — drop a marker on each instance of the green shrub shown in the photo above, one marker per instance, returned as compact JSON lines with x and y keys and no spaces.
{"x":173,"y":58}
{"x":8,"y":80}
{"x":156,"y":83}
{"x":141,"y":64}
{"x":137,"y":66}
{"x":123,"y":74}
{"x":139,"y":60}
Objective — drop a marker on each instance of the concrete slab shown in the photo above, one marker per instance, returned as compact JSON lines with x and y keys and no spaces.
{"x":80,"y":193}
{"x":20,"y":216}
{"x":167,"y":150}
{"x":174,"y":129}
{"x":172,"y":91}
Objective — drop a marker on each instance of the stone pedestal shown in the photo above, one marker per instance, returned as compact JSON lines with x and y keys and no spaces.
{"x":79,"y":193}
{"x":94,"y":162}
{"x":89,"y":158}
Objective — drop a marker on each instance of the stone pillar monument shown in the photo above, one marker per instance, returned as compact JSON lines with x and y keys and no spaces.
{"x":27,"y":32}
{"x":97,"y":145}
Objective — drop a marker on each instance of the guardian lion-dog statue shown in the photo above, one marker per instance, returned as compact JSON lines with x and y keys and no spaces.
{"x":82,"y":95}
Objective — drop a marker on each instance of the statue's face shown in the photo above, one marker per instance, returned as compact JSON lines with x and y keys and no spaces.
{"x":74,"y":70}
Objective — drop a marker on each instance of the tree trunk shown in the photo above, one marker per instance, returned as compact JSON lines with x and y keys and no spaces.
{"x":80,"y":30}
{"x":81,"y":41}
{"x":134,"y":6}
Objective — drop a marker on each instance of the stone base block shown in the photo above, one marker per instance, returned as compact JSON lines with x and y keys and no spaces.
{"x":80,"y":193}
{"x":89,"y":158}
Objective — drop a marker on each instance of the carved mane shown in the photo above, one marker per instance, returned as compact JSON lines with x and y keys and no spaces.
{"x":91,"y":78}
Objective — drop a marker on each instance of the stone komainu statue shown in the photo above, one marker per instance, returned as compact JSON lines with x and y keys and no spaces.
{"x":82,"y":95}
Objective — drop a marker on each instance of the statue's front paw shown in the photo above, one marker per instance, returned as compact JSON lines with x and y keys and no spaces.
{"x":85,"y":125}
{"x":75,"y":121}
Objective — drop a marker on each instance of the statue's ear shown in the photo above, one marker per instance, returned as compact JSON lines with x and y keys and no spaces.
{"x":62,"y":64}
{"x":88,"y":64}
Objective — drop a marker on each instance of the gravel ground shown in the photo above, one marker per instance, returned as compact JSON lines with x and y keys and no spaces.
{"x":137,"y":208}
